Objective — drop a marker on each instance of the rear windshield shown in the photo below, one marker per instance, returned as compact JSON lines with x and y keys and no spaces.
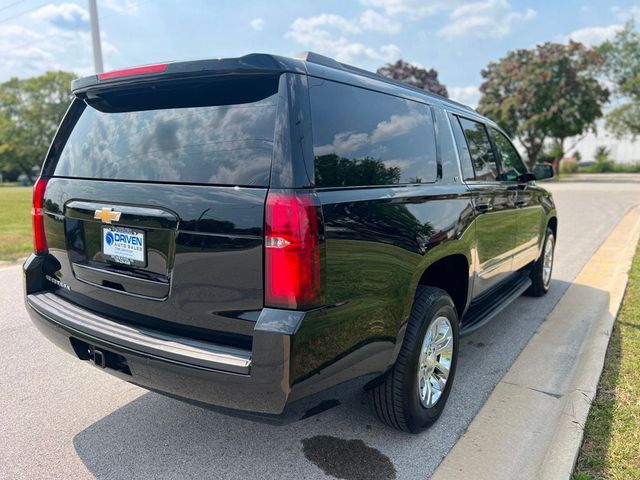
{"x":214,"y":133}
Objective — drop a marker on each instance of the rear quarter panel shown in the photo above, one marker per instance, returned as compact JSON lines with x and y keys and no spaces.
{"x":379,"y":241}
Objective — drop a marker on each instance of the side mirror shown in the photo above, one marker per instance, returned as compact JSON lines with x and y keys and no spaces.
{"x":543,"y":170}
{"x":526,"y":177}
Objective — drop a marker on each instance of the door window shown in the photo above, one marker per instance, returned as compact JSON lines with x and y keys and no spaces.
{"x":512,"y":165}
{"x":463,"y":149}
{"x":484,"y":161}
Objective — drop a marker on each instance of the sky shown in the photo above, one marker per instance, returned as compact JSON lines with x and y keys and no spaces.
{"x":457,"y":37}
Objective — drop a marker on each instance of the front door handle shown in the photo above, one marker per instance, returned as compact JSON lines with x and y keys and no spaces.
{"x":484,"y":207}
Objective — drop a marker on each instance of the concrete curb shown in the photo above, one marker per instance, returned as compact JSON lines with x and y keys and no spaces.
{"x":532,"y":424}
{"x":6,"y":265}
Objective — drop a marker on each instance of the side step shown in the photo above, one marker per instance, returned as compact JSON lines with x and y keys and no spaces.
{"x":484,"y":309}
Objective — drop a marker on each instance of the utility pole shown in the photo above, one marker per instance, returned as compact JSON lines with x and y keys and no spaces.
{"x":95,"y":36}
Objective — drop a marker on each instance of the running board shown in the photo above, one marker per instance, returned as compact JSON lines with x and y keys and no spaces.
{"x":484,"y":310}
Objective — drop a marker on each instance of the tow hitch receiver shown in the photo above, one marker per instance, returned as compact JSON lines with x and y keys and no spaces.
{"x":99,"y":358}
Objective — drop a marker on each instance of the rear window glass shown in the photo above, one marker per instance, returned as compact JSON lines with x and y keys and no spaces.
{"x":362,"y":137}
{"x":217,"y":143}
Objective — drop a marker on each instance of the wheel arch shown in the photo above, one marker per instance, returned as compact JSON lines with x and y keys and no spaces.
{"x":451,"y":274}
{"x":552,"y":223}
{"x":443,"y":271}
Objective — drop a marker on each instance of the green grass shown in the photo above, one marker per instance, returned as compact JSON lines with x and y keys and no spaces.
{"x":15,"y":223}
{"x":612,"y":167}
{"x":611,"y":445}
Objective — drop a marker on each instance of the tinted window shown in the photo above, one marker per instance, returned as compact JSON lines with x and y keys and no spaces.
{"x":484,"y":162}
{"x":463,"y":149}
{"x":362,"y":137}
{"x":219,"y":144}
{"x":510,"y":160}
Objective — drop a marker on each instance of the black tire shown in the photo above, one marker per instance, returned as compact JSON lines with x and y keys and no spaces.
{"x":538,"y":286}
{"x":396,"y":399}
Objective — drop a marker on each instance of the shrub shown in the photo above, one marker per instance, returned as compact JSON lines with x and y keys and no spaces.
{"x":568,"y":167}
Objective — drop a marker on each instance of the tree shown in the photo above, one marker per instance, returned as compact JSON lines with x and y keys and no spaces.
{"x":577,"y":155}
{"x":622,"y":67}
{"x":333,"y":170}
{"x":547,"y":93}
{"x":30,"y":111}
{"x":603,"y":163}
{"x":413,"y":75}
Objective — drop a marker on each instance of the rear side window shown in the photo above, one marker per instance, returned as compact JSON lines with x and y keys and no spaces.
{"x":484,"y":161}
{"x":362,"y":137}
{"x":176,"y":136}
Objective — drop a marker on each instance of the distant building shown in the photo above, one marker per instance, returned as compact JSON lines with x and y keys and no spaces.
{"x":622,"y":150}
{"x":23,"y":180}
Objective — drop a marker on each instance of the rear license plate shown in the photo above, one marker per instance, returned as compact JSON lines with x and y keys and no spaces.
{"x":124,"y":245}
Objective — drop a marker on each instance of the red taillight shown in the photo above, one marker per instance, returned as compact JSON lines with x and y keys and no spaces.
{"x":128,"y":72}
{"x":37,"y":214}
{"x":293,"y":260}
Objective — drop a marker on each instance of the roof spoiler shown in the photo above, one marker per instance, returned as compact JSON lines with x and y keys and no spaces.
{"x":252,"y":63}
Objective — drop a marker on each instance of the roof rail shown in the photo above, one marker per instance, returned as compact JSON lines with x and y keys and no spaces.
{"x":316,"y":58}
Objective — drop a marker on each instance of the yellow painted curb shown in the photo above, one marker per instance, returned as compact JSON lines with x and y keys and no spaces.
{"x":532,"y":424}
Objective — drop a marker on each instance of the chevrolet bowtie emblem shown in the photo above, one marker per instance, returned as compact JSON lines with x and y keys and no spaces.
{"x":107,"y":215}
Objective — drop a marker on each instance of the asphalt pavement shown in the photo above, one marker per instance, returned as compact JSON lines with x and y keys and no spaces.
{"x":62,"y":418}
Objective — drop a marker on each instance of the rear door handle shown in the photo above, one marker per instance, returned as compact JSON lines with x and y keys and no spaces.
{"x":484,"y":207}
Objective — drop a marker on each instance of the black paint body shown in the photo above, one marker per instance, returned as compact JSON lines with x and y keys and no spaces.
{"x":202,"y":284}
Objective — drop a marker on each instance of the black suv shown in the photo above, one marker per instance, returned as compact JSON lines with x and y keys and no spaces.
{"x":246,"y":232}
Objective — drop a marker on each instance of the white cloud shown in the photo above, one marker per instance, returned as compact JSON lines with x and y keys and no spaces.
{"x":257,"y":24}
{"x":345,"y":143}
{"x":374,"y":21}
{"x":484,"y":19}
{"x":107,"y":46}
{"x":396,"y":126}
{"x":624,"y":14}
{"x":333,"y":34}
{"x":68,"y":16}
{"x":20,"y":52}
{"x":302,"y":26}
{"x":330,"y":34}
{"x":468,"y":95}
{"x":124,"y":7}
{"x":412,"y":9}
{"x":32,"y":51}
{"x":594,"y":35}
{"x":349,"y":142}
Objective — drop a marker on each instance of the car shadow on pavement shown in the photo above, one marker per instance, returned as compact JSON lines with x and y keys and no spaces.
{"x":159,"y":437}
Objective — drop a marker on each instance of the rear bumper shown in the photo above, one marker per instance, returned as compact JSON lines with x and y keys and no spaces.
{"x":252,"y":381}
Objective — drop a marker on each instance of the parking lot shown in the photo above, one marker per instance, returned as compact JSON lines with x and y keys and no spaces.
{"x":65,"y":419}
